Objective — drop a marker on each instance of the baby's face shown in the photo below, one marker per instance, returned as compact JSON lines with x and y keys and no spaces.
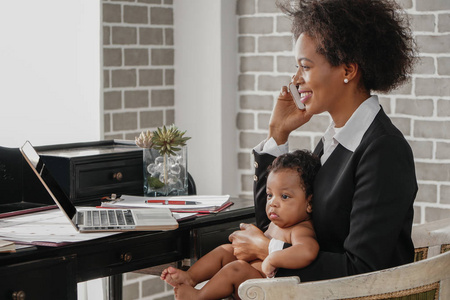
{"x":286,"y":204}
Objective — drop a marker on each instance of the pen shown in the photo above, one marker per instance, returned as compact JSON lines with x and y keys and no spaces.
{"x":173,"y":202}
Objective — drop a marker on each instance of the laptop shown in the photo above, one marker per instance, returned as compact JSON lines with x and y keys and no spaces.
{"x":96,"y":220}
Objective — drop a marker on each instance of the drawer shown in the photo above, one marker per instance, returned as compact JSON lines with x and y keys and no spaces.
{"x":106,"y":177}
{"x":132,"y":252}
{"x":52,"y":278}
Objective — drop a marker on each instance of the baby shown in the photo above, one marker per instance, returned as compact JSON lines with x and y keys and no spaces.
{"x":289,"y":195}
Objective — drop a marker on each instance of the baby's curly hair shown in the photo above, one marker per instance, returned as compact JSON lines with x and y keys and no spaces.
{"x":304,"y":162}
{"x":375,"y":34}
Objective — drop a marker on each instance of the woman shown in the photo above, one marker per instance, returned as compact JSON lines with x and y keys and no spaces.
{"x":364,"y":192}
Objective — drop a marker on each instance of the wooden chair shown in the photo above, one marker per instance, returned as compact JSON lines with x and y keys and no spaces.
{"x":427,"y":278}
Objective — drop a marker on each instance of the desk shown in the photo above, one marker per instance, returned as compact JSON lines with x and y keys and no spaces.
{"x":53,"y":272}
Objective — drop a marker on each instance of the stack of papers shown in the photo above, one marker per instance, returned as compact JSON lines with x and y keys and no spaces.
{"x":49,"y":228}
{"x":185,"y":204}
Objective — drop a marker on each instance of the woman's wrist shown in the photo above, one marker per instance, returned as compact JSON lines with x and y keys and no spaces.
{"x":263,"y":248}
{"x":280,"y":137}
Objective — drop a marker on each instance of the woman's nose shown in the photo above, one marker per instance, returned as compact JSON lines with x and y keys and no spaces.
{"x":297,"y":79}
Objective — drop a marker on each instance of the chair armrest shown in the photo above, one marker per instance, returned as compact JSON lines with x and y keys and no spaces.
{"x":431,"y":274}
{"x":266,"y":288}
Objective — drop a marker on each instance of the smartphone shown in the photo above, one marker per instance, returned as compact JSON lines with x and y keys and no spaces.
{"x":294,"y":92}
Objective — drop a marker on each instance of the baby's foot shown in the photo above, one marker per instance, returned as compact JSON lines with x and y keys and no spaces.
{"x":175,"y":277}
{"x":186,"y":292}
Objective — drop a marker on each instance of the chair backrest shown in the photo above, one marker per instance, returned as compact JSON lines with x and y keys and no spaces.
{"x":11,"y":177}
{"x":192,"y":189}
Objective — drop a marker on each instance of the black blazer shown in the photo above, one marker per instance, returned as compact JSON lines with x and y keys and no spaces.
{"x":362,"y":204}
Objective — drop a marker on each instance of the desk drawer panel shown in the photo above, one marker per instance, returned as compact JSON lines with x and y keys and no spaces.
{"x":86,"y":171}
{"x":40,"y":279}
{"x":145,"y":251}
{"x":115,"y":176}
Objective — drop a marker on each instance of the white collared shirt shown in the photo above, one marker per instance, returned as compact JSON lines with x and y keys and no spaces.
{"x":351,"y":134}
{"x":271,"y":147}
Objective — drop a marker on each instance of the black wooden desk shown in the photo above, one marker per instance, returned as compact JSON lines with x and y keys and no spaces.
{"x":53,"y":272}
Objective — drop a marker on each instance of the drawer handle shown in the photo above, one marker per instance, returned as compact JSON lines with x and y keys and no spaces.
{"x":118,"y":176}
{"x":126,"y":257}
{"x":20,"y":295}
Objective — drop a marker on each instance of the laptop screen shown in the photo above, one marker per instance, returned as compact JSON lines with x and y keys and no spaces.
{"x":55,"y":191}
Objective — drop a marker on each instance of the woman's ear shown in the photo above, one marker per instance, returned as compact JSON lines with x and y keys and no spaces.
{"x":350,"y":71}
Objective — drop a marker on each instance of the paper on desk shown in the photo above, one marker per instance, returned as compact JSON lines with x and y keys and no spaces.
{"x":205,"y":202}
{"x":49,"y":228}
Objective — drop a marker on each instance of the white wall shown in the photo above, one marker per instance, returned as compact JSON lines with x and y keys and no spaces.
{"x":206,"y":89}
{"x":50,"y":76}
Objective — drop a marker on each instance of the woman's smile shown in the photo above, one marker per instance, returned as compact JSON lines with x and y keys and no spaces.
{"x":305,"y":96}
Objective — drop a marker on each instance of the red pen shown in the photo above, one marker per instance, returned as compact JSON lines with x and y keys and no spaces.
{"x":171,"y":202}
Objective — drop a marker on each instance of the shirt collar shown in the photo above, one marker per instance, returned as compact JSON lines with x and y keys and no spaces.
{"x":351,"y":134}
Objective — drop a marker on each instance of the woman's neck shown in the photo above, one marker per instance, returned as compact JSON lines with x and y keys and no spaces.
{"x":345,"y":109}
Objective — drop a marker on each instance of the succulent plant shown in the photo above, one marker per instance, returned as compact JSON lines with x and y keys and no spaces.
{"x":145,"y":139}
{"x":168,"y":140}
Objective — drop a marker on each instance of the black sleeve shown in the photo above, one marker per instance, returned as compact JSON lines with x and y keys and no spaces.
{"x":262,"y":161}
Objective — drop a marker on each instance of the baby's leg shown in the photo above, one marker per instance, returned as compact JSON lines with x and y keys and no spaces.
{"x":202,"y":270}
{"x":223,"y":284}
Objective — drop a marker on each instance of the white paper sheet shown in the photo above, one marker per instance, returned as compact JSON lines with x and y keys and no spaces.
{"x":205,"y":202}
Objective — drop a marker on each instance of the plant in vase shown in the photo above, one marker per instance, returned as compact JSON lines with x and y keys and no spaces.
{"x":144,"y":140}
{"x":165,"y":169}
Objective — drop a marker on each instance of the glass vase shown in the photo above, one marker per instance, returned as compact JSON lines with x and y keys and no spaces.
{"x":165,"y":175}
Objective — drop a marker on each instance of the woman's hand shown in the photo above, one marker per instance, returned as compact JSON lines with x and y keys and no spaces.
{"x":267,"y":268}
{"x":249,"y":243}
{"x":286,"y":117}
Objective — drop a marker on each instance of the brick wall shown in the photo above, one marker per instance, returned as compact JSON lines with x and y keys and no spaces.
{"x":138,"y":66}
{"x":420,"y":109}
{"x":145,"y":287}
{"x":138,"y":90}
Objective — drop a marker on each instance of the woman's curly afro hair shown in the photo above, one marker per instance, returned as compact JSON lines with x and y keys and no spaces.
{"x":304,"y":162}
{"x":374,"y":34}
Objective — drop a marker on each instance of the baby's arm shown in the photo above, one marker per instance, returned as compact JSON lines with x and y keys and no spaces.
{"x":303,"y":251}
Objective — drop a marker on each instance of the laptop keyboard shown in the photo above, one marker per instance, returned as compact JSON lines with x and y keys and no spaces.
{"x":115,"y":217}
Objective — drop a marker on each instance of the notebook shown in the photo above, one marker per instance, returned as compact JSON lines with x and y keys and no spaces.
{"x":95,"y":220}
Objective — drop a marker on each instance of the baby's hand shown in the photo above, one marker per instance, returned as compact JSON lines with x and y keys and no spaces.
{"x":267,"y":268}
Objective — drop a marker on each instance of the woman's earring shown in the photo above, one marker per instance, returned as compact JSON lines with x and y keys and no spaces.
{"x":345,"y":80}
